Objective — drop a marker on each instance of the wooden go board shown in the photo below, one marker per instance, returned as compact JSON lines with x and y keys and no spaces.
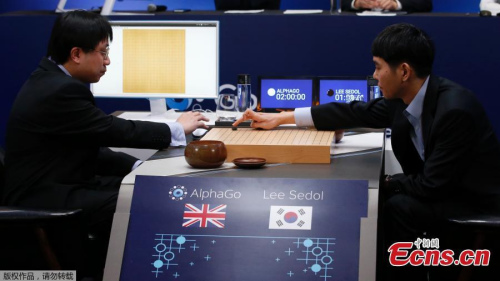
{"x":290,"y":145}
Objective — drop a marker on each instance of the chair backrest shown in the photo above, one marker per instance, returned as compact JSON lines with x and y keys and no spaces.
{"x":2,"y":172}
{"x":2,"y":155}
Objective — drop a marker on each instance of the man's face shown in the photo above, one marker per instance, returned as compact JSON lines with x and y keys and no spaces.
{"x":388,"y":78}
{"x":93,"y":64}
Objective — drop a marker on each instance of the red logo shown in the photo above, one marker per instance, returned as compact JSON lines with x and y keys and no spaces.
{"x":402,"y":253}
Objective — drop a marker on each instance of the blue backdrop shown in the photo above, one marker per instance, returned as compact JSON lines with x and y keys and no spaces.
{"x":457,"y":6}
{"x":276,"y":45}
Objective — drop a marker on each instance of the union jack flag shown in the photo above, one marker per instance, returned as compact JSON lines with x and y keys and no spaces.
{"x":203,"y":215}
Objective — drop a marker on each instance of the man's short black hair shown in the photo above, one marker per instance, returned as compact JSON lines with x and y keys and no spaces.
{"x":77,"y":29}
{"x":404,"y":42}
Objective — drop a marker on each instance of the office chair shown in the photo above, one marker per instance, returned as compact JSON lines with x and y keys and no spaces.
{"x":37,"y":220}
{"x":485,"y":230}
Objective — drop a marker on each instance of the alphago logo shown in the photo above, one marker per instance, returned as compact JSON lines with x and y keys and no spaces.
{"x":271,"y":92}
{"x":177,"y":193}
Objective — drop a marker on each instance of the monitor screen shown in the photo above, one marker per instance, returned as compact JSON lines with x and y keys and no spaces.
{"x":162,"y":59}
{"x":285,"y":93}
{"x":343,"y":89}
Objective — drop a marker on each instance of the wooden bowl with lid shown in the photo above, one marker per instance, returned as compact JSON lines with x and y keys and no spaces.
{"x":205,"y":154}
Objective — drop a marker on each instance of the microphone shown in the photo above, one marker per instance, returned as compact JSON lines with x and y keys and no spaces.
{"x":156,"y":8}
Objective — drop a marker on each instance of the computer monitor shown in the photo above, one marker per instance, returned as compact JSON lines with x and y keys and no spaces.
{"x":162,"y":59}
{"x":285,"y":93}
{"x":343,"y":89}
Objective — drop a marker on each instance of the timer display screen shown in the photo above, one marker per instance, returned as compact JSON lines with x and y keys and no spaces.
{"x":286,"y":93}
{"x":344,"y":91}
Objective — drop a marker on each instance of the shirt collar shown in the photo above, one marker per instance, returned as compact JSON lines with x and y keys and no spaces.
{"x":417,"y":104}
{"x":61,"y":67}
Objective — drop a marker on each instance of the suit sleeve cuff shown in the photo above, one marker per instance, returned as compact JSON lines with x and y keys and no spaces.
{"x":303,"y":117}
{"x":400,"y":7}
{"x":178,"y":136}
{"x":136,"y":164}
{"x":352,"y":5}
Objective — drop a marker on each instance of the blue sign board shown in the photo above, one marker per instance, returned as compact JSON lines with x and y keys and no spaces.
{"x":193,"y":228}
{"x":286,"y":93}
{"x":343,"y":91}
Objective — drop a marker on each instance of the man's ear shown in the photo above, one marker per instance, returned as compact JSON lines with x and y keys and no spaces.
{"x":406,"y":71}
{"x":75,"y":54}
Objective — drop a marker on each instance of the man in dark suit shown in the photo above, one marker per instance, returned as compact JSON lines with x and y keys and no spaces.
{"x":441,"y":136}
{"x":410,"y":6}
{"x":56,"y":136}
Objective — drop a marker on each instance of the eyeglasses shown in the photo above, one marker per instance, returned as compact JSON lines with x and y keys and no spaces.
{"x":105,"y":54}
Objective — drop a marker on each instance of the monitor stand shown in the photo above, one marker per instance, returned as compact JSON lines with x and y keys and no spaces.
{"x":158,"y":106}
{"x":106,"y":10}
{"x":60,"y":6}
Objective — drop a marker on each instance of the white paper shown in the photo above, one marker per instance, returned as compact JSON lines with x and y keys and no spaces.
{"x":243,"y":11}
{"x":303,"y":12}
{"x":376,"y":14}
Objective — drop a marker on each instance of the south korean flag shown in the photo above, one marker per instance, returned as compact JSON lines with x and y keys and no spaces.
{"x":290,"y":217}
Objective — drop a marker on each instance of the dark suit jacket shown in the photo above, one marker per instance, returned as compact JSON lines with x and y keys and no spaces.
{"x":55,"y":134}
{"x":410,"y":6}
{"x":462,"y":153}
{"x":247,"y":4}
